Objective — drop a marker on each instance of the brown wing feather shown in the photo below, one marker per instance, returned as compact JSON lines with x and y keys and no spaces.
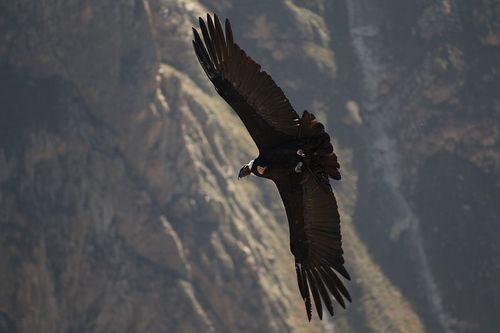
{"x":315,"y":240}
{"x":251,"y":92}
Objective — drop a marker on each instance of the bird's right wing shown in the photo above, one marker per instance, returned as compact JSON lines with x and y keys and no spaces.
{"x":251,"y":92}
{"x":315,"y":239}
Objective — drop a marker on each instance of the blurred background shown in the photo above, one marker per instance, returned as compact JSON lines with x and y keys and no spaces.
{"x":120,"y":210}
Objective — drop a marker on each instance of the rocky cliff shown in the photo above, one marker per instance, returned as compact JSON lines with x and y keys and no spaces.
{"x":119,"y":205}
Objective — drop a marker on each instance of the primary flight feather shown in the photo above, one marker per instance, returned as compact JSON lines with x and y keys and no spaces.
{"x":294,"y":152}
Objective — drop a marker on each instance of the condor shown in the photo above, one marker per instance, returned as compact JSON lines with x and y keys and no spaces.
{"x":294,"y":152}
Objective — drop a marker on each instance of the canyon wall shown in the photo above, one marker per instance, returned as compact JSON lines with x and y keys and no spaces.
{"x":120,"y":210}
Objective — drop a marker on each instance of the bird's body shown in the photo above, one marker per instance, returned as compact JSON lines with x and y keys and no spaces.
{"x":295,"y":153}
{"x":275,"y":162}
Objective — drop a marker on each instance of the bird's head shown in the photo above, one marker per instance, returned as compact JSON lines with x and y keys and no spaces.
{"x":245,"y":170}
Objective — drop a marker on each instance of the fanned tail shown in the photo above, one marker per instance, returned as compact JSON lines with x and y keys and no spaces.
{"x":317,"y":142}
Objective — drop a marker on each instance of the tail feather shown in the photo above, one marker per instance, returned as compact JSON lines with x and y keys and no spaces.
{"x":310,"y":126}
{"x":317,"y":142}
{"x":331,"y":165}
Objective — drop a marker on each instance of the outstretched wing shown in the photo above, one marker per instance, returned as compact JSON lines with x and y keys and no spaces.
{"x":315,"y":240}
{"x":252,"y":93}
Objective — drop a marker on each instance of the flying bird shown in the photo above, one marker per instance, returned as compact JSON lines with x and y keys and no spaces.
{"x":295,"y":153}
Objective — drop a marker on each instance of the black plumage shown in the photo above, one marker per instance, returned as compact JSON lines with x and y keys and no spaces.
{"x":295,"y":152}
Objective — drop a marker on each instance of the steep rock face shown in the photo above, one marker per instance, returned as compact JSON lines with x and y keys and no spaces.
{"x":119,"y":211}
{"x":428,"y":76}
{"x":119,"y":207}
{"x":118,"y":189}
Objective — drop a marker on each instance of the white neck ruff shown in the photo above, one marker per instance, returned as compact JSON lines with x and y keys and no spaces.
{"x":250,"y":164}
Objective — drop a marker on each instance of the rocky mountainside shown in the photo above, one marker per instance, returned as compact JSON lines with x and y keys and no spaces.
{"x":119,"y":205}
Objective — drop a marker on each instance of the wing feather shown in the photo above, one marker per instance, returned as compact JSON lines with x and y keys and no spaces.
{"x":322,"y":291}
{"x":332,"y":287}
{"x":222,"y":41}
{"x":307,"y":298}
{"x":315,"y":239}
{"x":303,"y":288}
{"x":209,"y":45}
{"x":315,"y":293}
{"x":229,"y":35}
{"x":259,"y":102}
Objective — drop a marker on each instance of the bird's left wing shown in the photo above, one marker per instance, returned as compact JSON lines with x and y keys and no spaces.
{"x":251,"y":92}
{"x":315,"y":239}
